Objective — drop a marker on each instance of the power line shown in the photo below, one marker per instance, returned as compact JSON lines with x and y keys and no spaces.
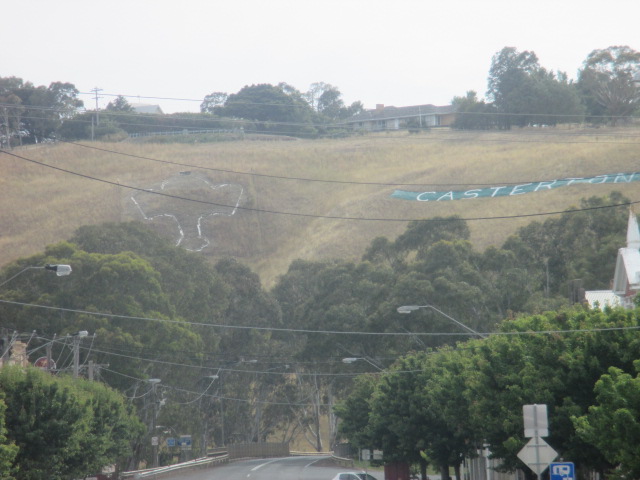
{"x":312,"y":331}
{"x":309,"y":215}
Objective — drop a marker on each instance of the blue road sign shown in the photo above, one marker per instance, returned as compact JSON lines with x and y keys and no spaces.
{"x":562,"y":471}
{"x":171,"y":442}
{"x":185,"y":442}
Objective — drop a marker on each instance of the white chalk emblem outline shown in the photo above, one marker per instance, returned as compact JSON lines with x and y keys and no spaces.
{"x":205,"y":241}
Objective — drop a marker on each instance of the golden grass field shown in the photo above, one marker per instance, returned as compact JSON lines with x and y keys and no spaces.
{"x":283,"y":219}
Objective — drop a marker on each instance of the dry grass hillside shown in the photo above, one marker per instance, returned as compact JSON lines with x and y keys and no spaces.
{"x":282,"y":215}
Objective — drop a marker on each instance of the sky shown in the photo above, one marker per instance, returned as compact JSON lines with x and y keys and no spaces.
{"x":391,"y":52}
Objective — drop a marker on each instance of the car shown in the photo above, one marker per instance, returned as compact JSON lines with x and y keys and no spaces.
{"x":354,"y":476}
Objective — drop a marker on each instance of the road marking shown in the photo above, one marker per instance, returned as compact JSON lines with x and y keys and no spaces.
{"x":262,"y":465}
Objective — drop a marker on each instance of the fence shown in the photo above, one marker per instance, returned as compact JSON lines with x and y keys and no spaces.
{"x":182,"y":132}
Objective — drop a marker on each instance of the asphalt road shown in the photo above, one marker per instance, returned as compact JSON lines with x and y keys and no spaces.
{"x":288,"y":468}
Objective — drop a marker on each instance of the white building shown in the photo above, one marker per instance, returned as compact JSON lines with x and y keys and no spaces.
{"x":626,"y":279}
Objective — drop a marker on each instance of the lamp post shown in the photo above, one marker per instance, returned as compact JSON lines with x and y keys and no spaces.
{"x":412,"y":308}
{"x":61,"y":271}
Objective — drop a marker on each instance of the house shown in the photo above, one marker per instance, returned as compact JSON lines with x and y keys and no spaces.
{"x":626,"y":278}
{"x":395,"y":118}
{"x":147,"y":108}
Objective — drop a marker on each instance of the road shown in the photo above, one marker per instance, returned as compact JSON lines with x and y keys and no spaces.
{"x":288,"y":468}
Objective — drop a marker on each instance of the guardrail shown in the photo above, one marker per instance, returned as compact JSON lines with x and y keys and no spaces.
{"x":159,"y":472}
{"x":207,"y":462}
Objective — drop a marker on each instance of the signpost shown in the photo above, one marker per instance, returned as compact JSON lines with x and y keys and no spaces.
{"x":537,"y":453}
{"x":185,"y":442}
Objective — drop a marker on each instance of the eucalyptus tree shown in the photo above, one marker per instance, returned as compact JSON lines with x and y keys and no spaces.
{"x":607,"y":83}
{"x":525,"y":93}
{"x":274,"y":109}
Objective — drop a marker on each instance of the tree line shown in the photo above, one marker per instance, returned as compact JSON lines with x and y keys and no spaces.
{"x":448,"y":404}
{"x":520,"y":92}
{"x":240,"y":363}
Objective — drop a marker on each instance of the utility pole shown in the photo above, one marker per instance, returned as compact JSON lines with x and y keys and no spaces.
{"x":76,"y":351}
{"x":94,"y":369}
{"x":49,"y":358}
{"x":95,"y":91}
{"x":154,"y":439}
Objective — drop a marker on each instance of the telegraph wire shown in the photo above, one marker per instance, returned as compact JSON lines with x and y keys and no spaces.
{"x":227,"y":326}
{"x":325,"y":332}
{"x":310,"y":215}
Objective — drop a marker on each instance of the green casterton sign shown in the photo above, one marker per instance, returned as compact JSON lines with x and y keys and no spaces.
{"x":512,"y":190}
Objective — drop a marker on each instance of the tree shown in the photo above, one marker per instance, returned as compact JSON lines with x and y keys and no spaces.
{"x":606,"y":82}
{"x":120,"y":104}
{"x":509,"y":68}
{"x":616,"y":412}
{"x":329,"y":102}
{"x":354,"y":412}
{"x":552,"y":255}
{"x":213,"y":100}
{"x":8,"y":449}
{"x":11,"y":110}
{"x":473,"y":114}
{"x":525,"y":93}
{"x":63,"y":427}
{"x":279,"y":109}
{"x":10,"y":114}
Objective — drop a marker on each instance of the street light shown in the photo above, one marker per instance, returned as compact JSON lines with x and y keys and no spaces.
{"x":413,"y":308}
{"x":61,"y":271}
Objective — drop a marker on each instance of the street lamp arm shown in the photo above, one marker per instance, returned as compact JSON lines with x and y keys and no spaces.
{"x":355,"y":359}
{"x":411,"y":308}
{"x":61,"y":270}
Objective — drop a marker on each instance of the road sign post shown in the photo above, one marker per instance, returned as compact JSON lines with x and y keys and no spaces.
{"x":537,"y":453}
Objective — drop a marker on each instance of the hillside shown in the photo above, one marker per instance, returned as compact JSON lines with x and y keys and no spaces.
{"x":282,"y":219}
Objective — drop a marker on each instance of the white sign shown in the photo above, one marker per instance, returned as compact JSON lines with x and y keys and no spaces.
{"x":537,"y":454}
{"x":535,"y":421}
{"x":154,"y":441}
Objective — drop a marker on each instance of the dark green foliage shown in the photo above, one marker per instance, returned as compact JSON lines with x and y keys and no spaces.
{"x":275,"y":109}
{"x":607,"y":85}
{"x":581,"y":245}
{"x":524,"y":93}
{"x":33,"y":114}
{"x":63,"y":428}
{"x":474,"y":114}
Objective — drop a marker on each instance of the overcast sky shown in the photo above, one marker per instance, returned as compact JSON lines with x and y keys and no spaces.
{"x":394,"y":52}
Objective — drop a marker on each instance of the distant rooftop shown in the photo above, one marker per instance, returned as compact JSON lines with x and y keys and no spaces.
{"x":382,"y":112}
{"x":146,"y":108}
